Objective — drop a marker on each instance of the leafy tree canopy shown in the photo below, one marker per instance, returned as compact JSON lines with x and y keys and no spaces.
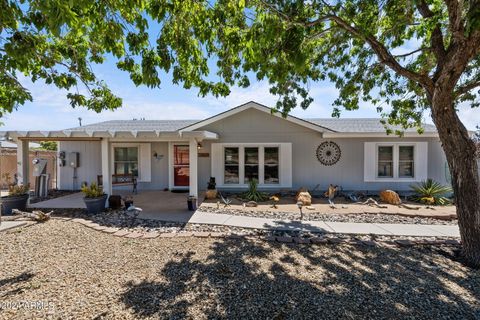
{"x":48,"y":145}
{"x":385,"y":52}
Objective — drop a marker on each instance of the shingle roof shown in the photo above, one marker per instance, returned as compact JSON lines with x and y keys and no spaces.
{"x":352,"y":125}
{"x":361,"y":125}
{"x":139,"y":125}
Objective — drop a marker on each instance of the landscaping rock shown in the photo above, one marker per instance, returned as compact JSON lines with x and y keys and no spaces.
{"x":304,"y":197}
{"x":390,"y":197}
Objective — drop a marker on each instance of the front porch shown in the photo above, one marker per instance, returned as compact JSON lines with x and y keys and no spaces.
{"x":155,"y":204}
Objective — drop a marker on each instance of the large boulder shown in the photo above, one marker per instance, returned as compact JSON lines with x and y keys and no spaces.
{"x":304,"y":197}
{"x":390,"y":197}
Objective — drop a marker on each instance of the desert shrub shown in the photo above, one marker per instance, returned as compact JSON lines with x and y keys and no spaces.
{"x":431,"y":192}
{"x":18,"y":190}
{"x":253,"y":194}
{"x":92,"y":191}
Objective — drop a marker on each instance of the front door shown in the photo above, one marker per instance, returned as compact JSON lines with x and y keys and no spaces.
{"x":181,"y":165}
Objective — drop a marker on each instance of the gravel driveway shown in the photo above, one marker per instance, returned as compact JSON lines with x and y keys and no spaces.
{"x":74,"y":272}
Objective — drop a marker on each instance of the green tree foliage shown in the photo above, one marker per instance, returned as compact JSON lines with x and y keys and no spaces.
{"x":49,"y":145}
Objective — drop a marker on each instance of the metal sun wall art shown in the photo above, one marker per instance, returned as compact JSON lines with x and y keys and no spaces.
{"x":328,"y":153}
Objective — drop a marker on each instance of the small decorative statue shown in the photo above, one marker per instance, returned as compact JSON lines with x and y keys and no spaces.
{"x":331,"y":194}
{"x":211,"y":189}
{"x":275,"y":199}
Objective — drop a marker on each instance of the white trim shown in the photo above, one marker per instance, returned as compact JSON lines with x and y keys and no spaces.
{"x":420,"y":154}
{"x":284,"y":165}
{"x":114,"y":145}
{"x":171,"y":179}
{"x":193,"y":168}
{"x":257,"y":106}
{"x":378,"y":135}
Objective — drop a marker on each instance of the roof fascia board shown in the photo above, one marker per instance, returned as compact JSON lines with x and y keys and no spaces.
{"x":378,"y":135}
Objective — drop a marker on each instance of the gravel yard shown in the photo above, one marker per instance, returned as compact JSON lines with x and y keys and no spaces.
{"x":78,"y":273}
{"x":371,"y":217}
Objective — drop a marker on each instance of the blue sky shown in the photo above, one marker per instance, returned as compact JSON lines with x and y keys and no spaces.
{"x":50,"y":109}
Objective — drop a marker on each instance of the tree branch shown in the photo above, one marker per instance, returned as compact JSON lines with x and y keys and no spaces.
{"x":410,"y":53}
{"x":437,"y":35}
{"x":465,"y":88}
{"x":384,"y":55}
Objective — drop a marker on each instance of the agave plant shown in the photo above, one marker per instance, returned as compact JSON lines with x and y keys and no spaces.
{"x":431,"y":192}
{"x":253,"y":194}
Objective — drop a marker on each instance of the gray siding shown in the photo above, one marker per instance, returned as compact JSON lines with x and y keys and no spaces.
{"x":256,"y":126}
{"x":90,"y":164}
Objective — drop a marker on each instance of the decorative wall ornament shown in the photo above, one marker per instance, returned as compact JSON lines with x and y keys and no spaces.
{"x":328,"y":153}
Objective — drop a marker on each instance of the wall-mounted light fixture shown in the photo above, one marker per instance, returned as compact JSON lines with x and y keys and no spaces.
{"x":157,"y":156}
{"x":199,"y":145}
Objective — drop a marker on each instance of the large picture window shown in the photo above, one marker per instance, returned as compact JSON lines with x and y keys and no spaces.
{"x":232,"y":165}
{"x":245,"y":163}
{"x":126,"y":160}
{"x":251,"y":164}
{"x":271,"y":164}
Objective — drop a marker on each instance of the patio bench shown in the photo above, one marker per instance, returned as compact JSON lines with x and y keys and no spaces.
{"x":121,"y":180}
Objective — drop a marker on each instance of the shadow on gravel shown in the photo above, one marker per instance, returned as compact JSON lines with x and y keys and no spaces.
{"x":258,"y":280}
{"x":14,"y":282}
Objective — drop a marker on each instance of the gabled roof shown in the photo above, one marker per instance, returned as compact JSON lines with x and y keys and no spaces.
{"x":260,"y":107}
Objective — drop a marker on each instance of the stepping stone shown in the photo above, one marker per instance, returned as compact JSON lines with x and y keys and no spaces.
{"x":270,"y":238}
{"x":318,"y":240}
{"x":121,"y":233}
{"x":218,"y":234}
{"x":150,"y":235}
{"x":285,"y":239}
{"x":185,"y":234}
{"x":99,"y":227}
{"x":452,"y":242}
{"x":404,"y":243}
{"x":79,"y":220}
{"x":202,"y":234}
{"x":335,"y":240}
{"x":110,"y":230}
{"x":167,"y":235}
{"x":369,"y":243}
{"x":134,"y":235}
{"x":301,"y":240}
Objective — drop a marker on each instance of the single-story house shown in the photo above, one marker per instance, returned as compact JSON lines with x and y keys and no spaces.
{"x":246,"y":142}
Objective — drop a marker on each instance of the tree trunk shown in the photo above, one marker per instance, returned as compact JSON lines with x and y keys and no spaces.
{"x":460,"y":152}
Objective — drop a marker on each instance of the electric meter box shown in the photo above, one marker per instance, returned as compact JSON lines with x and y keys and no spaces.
{"x":73,"y":159}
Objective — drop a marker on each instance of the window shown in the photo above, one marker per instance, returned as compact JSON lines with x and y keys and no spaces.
{"x":181,"y":165}
{"x":385,"y":162}
{"x":406,"y":162}
{"x":126,"y":160}
{"x":251,"y":164}
{"x":231,"y":175}
{"x":271,"y":162}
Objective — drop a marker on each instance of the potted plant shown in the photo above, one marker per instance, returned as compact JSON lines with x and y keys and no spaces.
{"x":211,"y":189}
{"x":17,"y":197}
{"x":94,"y":198}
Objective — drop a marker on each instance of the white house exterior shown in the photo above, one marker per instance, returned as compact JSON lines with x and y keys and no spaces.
{"x":243,"y":143}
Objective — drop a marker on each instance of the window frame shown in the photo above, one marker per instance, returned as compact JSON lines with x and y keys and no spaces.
{"x":396,"y":161}
{"x":261,"y":163}
{"x":121,"y":146}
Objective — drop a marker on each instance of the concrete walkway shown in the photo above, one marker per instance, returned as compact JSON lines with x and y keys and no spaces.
{"x":419,"y":230}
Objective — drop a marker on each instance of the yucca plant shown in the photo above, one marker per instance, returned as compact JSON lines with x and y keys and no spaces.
{"x":431,"y":192}
{"x":253,"y":194}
